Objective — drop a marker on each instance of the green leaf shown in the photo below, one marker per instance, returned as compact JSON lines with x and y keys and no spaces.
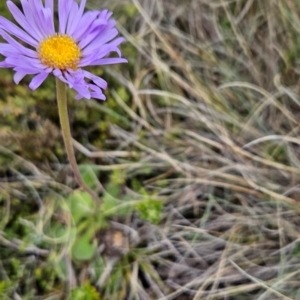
{"x":89,"y":175}
{"x":115,"y":207}
{"x":80,"y":204}
{"x":150,"y":210}
{"x":83,"y":249}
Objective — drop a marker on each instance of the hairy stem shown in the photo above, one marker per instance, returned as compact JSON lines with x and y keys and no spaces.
{"x":61,"y":92}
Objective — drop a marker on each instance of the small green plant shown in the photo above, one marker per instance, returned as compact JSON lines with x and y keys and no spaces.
{"x":150,"y":210}
{"x":4,"y":288}
{"x":85,"y":292}
{"x":82,"y":209}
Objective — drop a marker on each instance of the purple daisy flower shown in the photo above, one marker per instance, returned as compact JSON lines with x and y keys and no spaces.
{"x":82,"y":39}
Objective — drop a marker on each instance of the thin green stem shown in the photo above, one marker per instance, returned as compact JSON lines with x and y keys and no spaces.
{"x":61,"y":92}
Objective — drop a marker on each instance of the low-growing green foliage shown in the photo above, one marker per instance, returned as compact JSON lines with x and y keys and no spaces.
{"x":85,"y":292}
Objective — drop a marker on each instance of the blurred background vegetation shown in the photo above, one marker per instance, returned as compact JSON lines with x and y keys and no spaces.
{"x":195,"y":155}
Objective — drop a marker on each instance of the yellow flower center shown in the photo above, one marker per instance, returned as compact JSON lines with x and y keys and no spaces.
{"x":59,"y":52}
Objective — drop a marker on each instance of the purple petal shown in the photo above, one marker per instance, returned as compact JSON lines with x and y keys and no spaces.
{"x":31,"y":70}
{"x":64,"y":7}
{"x":4,"y":64}
{"x":97,"y":80}
{"x":37,"y":80}
{"x":105,"y":14}
{"x":94,"y":43}
{"x":101,"y":33}
{"x":85,"y":25}
{"x":98,"y":96}
{"x":73,"y":20}
{"x":23,"y":61}
{"x":97,"y":92}
{"x":49,"y":4}
{"x":40,"y":19}
{"x":7,"y":49}
{"x":17,"y":45}
{"x":29,"y":14}
{"x":86,"y":61}
{"x":19,"y":76}
{"x":93,"y":58}
{"x":58,"y":73}
{"x":76,"y":18}
{"x":97,"y":42}
{"x":109,"y":61}
{"x":49,"y":21}
{"x":37,"y":12}
{"x":16,"y":31}
{"x":83,"y":91}
{"x":20,"y":18}
{"x":76,"y":80}
{"x":96,"y":58}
